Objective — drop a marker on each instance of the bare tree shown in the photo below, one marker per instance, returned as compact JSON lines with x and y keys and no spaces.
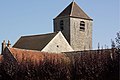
{"x":118,"y":40}
{"x":113,"y":44}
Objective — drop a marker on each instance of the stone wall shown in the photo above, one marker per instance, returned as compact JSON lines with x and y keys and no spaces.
{"x":58,"y":44}
{"x":80,"y":40}
{"x":66,"y":26}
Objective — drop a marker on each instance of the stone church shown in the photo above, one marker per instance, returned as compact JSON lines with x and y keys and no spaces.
{"x":76,"y":26}
{"x":72,"y":32}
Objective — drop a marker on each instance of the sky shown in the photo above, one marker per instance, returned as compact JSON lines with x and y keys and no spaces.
{"x":29,"y":17}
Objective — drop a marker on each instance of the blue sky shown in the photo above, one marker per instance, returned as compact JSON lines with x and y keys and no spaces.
{"x":26,"y":17}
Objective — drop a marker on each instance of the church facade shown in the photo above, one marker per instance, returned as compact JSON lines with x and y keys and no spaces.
{"x":51,"y":42}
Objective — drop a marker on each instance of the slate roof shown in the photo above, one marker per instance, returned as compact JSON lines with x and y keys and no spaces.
{"x":73,"y":10}
{"x":34,"y":42}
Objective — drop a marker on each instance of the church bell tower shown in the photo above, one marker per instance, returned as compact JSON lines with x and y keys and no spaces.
{"x":76,"y":26}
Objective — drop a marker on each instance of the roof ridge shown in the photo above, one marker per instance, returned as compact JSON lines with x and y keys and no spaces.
{"x":39,"y":34}
{"x":27,"y":50}
{"x":89,"y":50}
{"x":11,"y":52}
{"x":24,"y":49}
{"x":72,"y":8}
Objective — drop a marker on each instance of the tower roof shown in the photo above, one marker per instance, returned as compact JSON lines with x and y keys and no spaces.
{"x":73,"y":10}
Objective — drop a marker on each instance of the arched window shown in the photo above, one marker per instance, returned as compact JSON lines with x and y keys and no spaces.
{"x":61,"y":25}
{"x":82,"y":25}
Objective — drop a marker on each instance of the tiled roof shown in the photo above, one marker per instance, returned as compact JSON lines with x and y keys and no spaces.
{"x":23,"y":55}
{"x":34,"y":42}
{"x":74,"y":10}
{"x":1,"y":58}
{"x":33,"y":56}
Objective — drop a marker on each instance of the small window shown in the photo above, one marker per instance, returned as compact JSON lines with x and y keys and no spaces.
{"x":57,"y":46}
{"x":82,"y":26}
{"x":61,"y":25}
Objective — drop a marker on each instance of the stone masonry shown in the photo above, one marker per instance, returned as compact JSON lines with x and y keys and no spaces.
{"x":72,"y":16}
